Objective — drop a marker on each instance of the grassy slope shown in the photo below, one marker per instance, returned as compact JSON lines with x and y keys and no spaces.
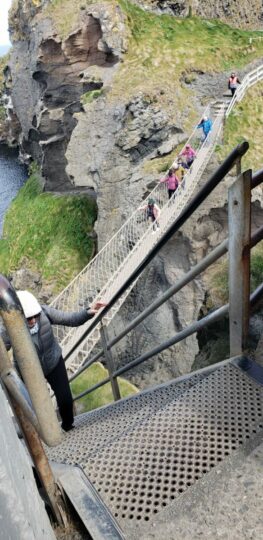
{"x":162,"y":48}
{"x":244,"y":123}
{"x":103,"y":395}
{"x":47,"y":234}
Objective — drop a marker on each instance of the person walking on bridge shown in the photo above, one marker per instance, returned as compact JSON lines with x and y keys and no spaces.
{"x":152,"y":213}
{"x":206,"y":125}
{"x":172,"y":182}
{"x":188,"y":154}
{"x":40,"y":319}
{"x":233,"y":81}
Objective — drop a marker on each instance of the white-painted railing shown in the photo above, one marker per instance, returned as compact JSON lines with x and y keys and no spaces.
{"x":249,"y":80}
{"x":104,"y":275}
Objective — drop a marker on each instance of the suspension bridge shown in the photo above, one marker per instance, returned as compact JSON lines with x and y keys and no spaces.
{"x":141,"y":466}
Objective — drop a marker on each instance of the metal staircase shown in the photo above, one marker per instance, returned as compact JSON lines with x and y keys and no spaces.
{"x":109,"y":269}
{"x":144,"y":453}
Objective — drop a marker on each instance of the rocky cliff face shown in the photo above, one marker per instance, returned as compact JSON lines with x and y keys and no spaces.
{"x":242,"y":14}
{"x":49,"y":75}
{"x":102,"y":144}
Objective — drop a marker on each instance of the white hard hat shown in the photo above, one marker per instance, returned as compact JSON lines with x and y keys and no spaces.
{"x":29,"y":303}
{"x":175,"y":165}
{"x":205,"y":118}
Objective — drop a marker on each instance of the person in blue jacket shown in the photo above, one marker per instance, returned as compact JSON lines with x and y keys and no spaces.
{"x":206,"y":125}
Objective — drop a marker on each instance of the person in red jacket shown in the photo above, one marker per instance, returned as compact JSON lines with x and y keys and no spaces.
{"x":233,"y":81}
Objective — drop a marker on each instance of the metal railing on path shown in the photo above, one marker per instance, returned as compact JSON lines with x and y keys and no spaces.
{"x":110,"y":268}
{"x":249,"y":80}
{"x":238,"y":246}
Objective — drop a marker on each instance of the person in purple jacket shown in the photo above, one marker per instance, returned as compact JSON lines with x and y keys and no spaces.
{"x":172,"y":182}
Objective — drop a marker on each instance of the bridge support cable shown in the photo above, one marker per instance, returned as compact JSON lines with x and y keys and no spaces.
{"x":110,"y":269}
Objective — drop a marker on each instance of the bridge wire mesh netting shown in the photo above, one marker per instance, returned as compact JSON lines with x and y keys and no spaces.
{"x":115,"y":262}
{"x":110,"y":268}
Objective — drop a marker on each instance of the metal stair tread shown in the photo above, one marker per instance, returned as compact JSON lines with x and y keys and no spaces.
{"x":103,"y":426}
{"x":142,"y":470}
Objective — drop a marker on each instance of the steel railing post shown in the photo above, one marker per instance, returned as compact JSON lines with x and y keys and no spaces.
{"x":28,"y":425}
{"x":109,"y":363}
{"x":28,"y":363}
{"x":239,"y":222}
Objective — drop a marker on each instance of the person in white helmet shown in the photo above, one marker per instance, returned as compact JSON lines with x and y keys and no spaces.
{"x":206,"y":125}
{"x":40,"y":319}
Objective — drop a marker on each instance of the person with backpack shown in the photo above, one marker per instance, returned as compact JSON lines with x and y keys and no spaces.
{"x":206,"y":126}
{"x":152,"y":213}
{"x":172,"y":182}
{"x":188,"y":154}
{"x":180,"y":170}
{"x":233,"y":81}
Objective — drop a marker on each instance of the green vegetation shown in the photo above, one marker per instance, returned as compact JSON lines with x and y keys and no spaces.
{"x":2,"y":114}
{"x":65,"y":14}
{"x":103,"y":395}
{"x":163,"y":49}
{"x":90,"y":96}
{"x":218,"y":278}
{"x":3,"y":62}
{"x":47,"y":233}
{"x":245,"y":123}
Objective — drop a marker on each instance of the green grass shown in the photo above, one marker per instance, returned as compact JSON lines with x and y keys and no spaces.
{"x":162,"y":48}
{"x":47,"y":233}
{"x":3,"y":63}
{"x":88,"y":97}
{"x":245,"y":123}
{"x":101,"y":396}
{"x":218,"y":278}
{"x":65,"y":14}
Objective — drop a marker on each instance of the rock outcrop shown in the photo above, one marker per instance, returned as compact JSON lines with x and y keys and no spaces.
{"x":49,"y":75}
{"x":83,"y":139}
{"x":115,"y":141}
{"x":242,"y":14}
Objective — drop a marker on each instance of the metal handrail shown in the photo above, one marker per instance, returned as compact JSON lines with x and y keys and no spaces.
{"x":216,"y":315}
{"x":28,"y":363}
{"x":123,"y":253}
{"x":188,"y":210}
{"x":212,"y":257}
{"x":125,"y":249}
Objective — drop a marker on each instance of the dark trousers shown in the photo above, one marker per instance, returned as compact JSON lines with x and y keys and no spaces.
{"x":58,"y":380}
{"x":233,"y":91}
{"x":171,"y":192}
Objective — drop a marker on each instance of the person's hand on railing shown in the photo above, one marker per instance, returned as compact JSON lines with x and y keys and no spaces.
{"x":96,"y":307}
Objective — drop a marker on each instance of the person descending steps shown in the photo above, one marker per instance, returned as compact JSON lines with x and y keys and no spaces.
{"x":233,"y":81}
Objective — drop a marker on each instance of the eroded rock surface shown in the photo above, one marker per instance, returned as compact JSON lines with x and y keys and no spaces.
{"x":240,"y":14}
{"x":49,"y":75}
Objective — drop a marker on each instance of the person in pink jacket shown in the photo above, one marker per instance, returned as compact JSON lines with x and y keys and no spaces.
{"x":188,"y":154}
{"x":172,"y":182}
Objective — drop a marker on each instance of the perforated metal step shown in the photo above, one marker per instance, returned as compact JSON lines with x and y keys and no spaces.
{"x":139,"y":469}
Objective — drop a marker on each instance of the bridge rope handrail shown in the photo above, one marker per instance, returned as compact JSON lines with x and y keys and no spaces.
{"x":109,"y":268}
